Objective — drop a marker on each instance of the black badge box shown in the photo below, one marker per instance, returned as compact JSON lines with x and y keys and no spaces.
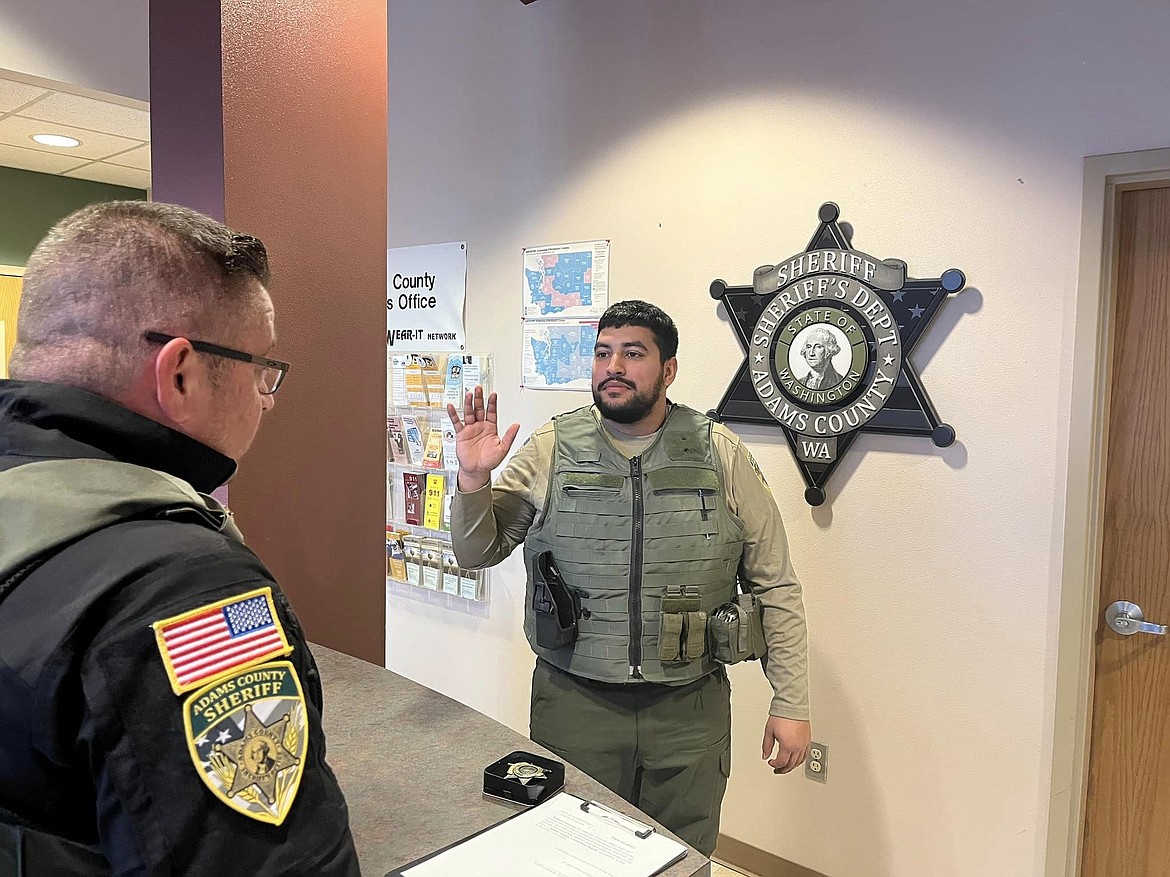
{"x":523,"y":778}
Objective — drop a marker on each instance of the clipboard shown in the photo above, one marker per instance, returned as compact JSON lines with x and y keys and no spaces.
{"x":557,"y":830}
{"x":640,"y":829}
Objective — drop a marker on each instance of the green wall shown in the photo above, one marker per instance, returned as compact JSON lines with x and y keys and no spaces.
{"x":30,"y":203}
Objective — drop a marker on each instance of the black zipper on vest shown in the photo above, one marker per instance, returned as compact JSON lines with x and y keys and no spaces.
{"x":636,"y":572}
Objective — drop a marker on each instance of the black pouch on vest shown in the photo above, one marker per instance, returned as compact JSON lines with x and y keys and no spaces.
{"x":735,"y":631}
{"x":555,"y":605}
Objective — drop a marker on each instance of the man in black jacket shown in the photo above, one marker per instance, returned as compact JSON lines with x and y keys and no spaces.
{"x":160,"y":712}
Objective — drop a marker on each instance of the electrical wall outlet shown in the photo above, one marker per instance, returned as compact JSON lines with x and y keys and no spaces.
{"x":816,"y":766}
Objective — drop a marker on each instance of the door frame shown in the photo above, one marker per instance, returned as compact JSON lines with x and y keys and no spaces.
{"x":1104,"y":177}
{"x":7,"y":271}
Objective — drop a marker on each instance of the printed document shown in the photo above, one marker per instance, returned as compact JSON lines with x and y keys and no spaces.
{"x":558,"y":838}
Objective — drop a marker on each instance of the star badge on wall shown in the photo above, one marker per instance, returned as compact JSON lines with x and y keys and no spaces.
{"x":827,"y":335}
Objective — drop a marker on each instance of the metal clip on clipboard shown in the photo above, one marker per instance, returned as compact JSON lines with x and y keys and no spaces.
{"x":640,"y":829}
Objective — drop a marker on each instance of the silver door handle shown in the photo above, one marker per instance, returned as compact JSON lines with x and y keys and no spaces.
{"x":1126,"y":619}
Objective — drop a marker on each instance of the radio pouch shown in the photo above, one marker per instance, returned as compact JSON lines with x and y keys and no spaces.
{"x":555,"y":605}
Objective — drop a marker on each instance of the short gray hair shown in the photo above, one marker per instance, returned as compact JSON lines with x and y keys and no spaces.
{"x":110,"y":271}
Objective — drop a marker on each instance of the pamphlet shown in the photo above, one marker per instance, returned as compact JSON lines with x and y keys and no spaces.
{"x":412,"y":490}
{"x":396,"y":440}
{"x":414,"y":439}
{"x":433,"y":458}
{"x":431,"y":563}
{"x":450,"y":570}
{"x":413,"y":552}
{"x":436,"y":487}
{"x":395,"y":555}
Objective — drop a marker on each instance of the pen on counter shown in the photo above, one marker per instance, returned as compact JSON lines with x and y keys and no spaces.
{"x":640,"y":829}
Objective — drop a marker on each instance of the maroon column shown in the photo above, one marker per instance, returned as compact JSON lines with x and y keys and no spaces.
{"x":303,"y":167}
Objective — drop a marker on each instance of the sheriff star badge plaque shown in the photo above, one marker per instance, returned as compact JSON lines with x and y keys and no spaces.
{"x":827,"y":335}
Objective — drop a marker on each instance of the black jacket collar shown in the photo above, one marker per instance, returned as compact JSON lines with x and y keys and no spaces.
{"x":43,"y":420}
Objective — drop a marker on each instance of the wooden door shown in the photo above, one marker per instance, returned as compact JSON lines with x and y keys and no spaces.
{"x":1127,"y":817}
{"x":9,"y":300}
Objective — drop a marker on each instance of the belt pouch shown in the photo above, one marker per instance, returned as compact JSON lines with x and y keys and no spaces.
{"x":752,"y":626}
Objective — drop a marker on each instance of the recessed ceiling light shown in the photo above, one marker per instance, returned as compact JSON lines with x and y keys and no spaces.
{"x":56,"y":140}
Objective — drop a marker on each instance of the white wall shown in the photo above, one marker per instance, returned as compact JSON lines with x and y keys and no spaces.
{"x":701,"y":136}
{"x":97,"y":45}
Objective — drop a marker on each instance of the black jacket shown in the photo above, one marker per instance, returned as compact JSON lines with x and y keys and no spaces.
{"x":93,"y":747}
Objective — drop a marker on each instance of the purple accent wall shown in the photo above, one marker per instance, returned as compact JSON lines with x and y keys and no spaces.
{"x":186,"y":105}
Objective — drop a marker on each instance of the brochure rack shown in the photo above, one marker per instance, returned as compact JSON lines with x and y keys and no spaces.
{"x":421,"y":470}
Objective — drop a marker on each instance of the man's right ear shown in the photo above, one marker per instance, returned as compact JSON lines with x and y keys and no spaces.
{"x":670,"y":371}
{"x":175,"y":379}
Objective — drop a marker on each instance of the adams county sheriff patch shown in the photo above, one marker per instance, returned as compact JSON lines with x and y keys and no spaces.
{"x":827,"y":334}
{"x":247,"y":735}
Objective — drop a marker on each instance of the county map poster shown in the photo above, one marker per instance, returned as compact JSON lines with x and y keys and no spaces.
{"x":558,"y":354}
{"x":566,"y":281}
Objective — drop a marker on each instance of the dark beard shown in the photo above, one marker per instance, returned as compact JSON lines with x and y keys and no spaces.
{"x":638,"y":406}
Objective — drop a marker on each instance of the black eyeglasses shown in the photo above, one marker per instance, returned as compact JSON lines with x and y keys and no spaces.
{"x":273,"y":372}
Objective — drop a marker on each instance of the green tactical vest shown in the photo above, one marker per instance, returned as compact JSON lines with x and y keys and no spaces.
{"x":621,"y":530}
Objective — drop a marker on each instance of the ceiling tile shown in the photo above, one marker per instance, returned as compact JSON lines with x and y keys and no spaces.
{"x":139,"y":158}
{"x":96,"y":115}
{"x":16,"y":94}
{"x":18,"y":131}
{"x":114,"y":174}
{"x":35,"y":160}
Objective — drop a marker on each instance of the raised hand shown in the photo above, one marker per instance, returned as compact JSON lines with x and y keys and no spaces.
{"x":478,"y":444}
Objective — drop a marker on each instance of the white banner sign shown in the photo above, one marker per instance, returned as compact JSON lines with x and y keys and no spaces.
{"x":425,"y":290}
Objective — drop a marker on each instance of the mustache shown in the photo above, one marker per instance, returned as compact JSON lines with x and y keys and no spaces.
{"x":606,"y":383}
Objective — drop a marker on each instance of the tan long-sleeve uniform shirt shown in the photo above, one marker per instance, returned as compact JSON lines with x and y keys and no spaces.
{"x":487,"y":524}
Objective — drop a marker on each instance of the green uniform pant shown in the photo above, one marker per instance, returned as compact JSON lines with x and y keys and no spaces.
{"x":665,"y":749}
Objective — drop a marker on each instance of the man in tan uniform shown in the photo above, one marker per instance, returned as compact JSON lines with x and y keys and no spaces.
{"x":645,"y":507}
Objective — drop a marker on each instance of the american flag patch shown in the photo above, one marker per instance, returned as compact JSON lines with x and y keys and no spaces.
{"x":214,"y":640}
